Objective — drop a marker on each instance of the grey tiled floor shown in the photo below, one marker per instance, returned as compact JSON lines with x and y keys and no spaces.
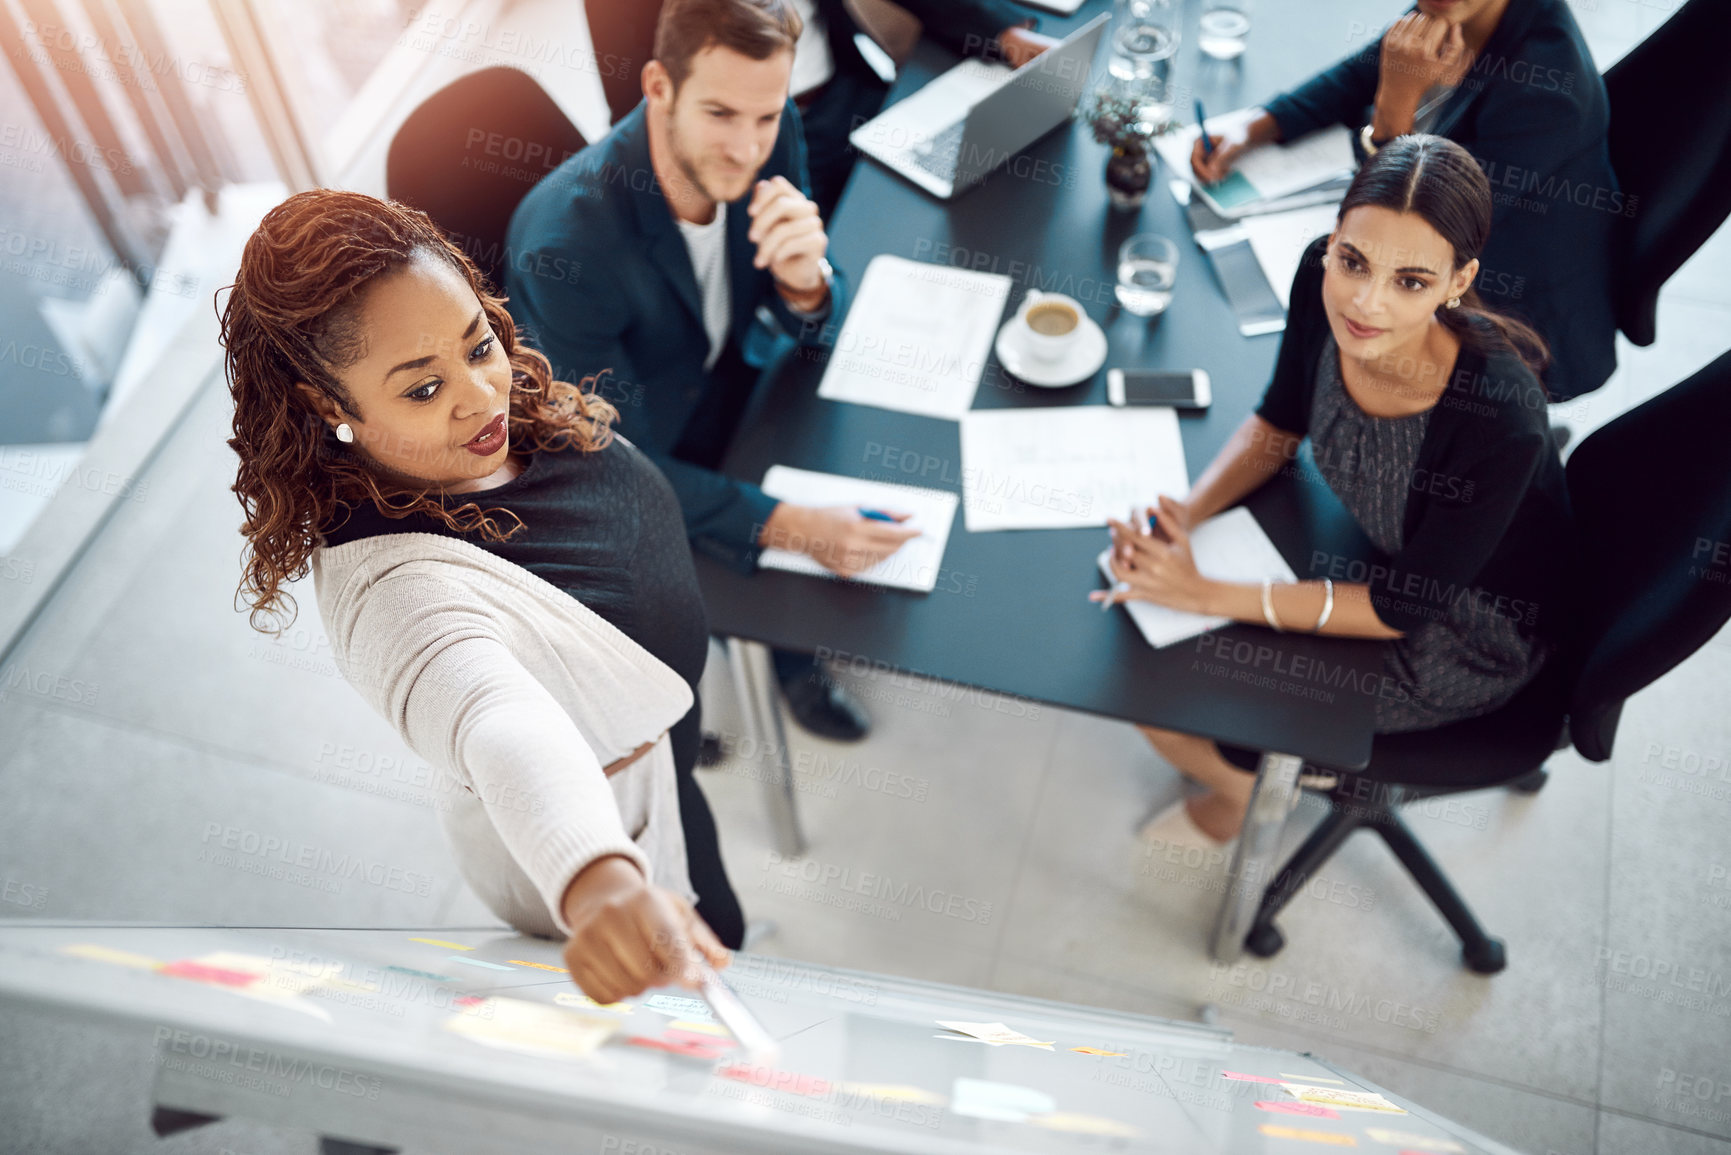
{"x":141,"y":710}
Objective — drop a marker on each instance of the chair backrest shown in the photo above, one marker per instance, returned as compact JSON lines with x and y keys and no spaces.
{"x":1651,"y":492}
{"x":1670,"y":143}
{"x":623,"y":35}
{"x":472,"y":151}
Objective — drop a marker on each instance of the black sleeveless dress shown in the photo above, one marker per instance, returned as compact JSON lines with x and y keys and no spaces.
{"x":605,"y":527}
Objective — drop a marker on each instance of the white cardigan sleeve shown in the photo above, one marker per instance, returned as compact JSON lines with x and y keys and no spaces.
{"x":440,"y":673}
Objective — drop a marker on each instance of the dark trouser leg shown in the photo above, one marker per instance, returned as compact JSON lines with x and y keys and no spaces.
{"x":716,"y":902}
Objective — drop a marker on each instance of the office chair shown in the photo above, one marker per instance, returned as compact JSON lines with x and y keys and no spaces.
{"x":1672,"y":158}
{"x":1651,"y":492}
{"x":622,"y":33}
{"x":472,"y":151}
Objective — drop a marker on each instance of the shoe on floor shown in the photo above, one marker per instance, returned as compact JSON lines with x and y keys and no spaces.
{"x":825,"y":709}
{"x":709,"y":751}
{"x":1173,"y":826}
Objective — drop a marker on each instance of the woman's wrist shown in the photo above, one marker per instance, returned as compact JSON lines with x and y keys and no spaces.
{"x":1394,"y":112}
{"x":605,"y":878}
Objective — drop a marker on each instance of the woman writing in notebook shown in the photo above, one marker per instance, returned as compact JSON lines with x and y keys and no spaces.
{"x":502,"y":577}
{"x":1425,"y":418}
{"x":1512,"y":82}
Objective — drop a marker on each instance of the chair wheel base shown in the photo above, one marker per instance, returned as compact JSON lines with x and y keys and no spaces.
{"x":1531,"y":783}
{"x":1486,"y":957}
{"x":1264,"y":940}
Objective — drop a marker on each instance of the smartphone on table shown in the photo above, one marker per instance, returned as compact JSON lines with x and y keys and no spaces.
{"x":1184,"y":389}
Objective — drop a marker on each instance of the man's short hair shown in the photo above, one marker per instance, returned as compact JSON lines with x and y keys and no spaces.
{"x":755,"y":28}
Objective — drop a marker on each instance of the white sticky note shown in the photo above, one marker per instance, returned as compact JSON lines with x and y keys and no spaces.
{"x":1008,"y":1102}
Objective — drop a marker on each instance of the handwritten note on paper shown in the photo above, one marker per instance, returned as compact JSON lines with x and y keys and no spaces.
{"x":916,"y":338}
{"x":1067,"y":468}
{"x":1227,"y":547}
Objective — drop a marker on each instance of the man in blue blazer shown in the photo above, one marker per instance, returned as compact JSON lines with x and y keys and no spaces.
{"x":645,"y":259}
{"x":1512,"y":82}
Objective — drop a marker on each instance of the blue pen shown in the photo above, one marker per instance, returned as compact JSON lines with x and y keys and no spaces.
{"x":1202,"y":127}
{"x":875,"y":515}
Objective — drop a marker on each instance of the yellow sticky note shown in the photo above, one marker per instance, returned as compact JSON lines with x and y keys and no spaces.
{"x":1098,"y":1051}
{"x":1084,"y":1124}
{"x":1334,"y":1138}
{"x":108,"y":954}
{"x":1312,"y":1079}
{"x":538,"y":966}
{"x":1350,"y":1100}
{"x":579,"y":999}
{"x":532,"y":1028}
{"x":894,"y":1092}
{"x":442,"y":942}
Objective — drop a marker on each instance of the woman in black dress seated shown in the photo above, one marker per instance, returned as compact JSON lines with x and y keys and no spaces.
{"x":1426,"y":419}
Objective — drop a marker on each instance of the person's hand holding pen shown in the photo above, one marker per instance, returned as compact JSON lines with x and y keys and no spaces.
{"x":1151,"y":560}
{"x":1212,"y":160}
{"x":846,"y":539}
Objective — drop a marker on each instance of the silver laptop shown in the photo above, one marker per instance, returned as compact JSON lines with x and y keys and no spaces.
{"x":950,"y":134}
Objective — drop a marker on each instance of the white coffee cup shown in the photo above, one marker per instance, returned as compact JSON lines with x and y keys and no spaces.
{"x":1050,"y":324}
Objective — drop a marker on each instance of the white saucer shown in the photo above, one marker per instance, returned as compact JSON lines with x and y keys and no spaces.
{"x":1080,"y":361}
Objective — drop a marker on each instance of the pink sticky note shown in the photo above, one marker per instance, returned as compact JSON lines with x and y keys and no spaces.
{"x":187,"y":969}
{"x":690,"y":1048}
{"x":776,"y":1080}
{"x":1243,"y":1078}
{"x":1310,"y":1109}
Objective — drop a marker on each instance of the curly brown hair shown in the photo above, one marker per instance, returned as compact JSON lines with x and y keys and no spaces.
{"x":290,"y":317}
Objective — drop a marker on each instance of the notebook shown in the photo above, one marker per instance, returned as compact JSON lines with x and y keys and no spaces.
{"x":1227,"y":547}
{"x":915,"y":566}
{"x":1268,"y":177}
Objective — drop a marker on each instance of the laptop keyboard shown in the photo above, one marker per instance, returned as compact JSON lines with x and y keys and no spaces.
{"x":939,"y":158}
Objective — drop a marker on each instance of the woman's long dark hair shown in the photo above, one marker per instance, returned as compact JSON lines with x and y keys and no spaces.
{"x":1437,"y":179}
{"x":290,"y":317}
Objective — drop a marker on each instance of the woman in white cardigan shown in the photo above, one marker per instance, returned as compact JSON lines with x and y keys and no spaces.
{"x":542,"y":651}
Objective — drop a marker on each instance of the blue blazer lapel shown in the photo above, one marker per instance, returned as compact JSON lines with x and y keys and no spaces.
{"x":662,"y":240}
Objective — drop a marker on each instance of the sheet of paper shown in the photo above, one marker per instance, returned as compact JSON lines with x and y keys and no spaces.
{"x":1067,"y":468}
{"x":1006,"y":1102}
{"x":916,"y":338}
{"x":533,"y":1028}
{"x":1267,"y":172}
{"x":1230,"y":546}
{"x":915,"y":566}
{"x":1279,"y":240}
{"x":1415,"y":1142}
{"x":997,"y":1034}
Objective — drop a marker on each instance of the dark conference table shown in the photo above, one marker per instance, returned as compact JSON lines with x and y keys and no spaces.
{"x":1010,"y":613}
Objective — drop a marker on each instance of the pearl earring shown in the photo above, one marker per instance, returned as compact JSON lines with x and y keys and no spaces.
{"x":344,"y":433}
{"x":1454,"y":302}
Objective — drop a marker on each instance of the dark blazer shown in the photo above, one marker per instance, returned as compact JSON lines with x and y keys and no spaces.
{"x":601,"y":280}
{"x":1533,"y":113}
{"x":1487,"y":511}
{"x":965,"y":27}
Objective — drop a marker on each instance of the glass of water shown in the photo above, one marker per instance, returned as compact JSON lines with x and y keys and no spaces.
{"x":1224,"y":26}
{"x":1143,"y":45}
{"x":1147,"y":270}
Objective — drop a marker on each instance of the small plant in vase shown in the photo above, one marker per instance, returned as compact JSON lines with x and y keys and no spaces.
{"x":1117,"y":120}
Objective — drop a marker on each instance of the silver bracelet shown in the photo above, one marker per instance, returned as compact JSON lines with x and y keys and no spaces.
{"x":1327,"y":605}
{"x":1268,"y":607}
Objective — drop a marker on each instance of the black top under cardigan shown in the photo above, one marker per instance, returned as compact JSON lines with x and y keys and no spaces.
{"x":1533,"y":112}
{"x":1487,"y":513}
